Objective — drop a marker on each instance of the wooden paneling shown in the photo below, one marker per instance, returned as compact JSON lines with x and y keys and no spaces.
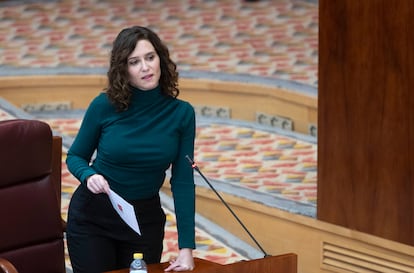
{"x":243,"y":99}
{"x":366,"y":117}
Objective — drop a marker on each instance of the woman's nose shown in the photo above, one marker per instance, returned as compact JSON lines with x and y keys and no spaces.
{"x":144,"y":66}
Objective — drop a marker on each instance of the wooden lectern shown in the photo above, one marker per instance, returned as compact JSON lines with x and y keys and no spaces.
{"x":286,"y":263}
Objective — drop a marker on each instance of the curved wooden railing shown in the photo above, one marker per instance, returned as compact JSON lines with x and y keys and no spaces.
{"x":241,"y":100}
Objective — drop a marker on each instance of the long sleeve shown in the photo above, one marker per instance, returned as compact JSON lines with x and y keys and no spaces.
{"x":182,"y":184}
{"x":80,"y":153}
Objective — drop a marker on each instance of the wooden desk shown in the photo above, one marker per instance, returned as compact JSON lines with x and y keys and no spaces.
{"x":200,"y":265}
{"x":286,"y":263}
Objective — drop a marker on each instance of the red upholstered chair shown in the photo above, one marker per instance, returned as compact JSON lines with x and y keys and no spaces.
{"x":31,"y":232}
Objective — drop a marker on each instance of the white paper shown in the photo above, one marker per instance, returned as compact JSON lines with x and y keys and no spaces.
{"x":125,"y":210}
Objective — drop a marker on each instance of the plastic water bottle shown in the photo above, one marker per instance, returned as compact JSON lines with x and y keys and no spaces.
{"x":138,"y":265}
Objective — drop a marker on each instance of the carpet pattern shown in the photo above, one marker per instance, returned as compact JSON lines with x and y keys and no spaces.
{"x":264,"y":38}
{"x":259,"y":160}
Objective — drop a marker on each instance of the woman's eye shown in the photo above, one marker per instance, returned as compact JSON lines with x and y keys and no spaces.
{"x":133,"y":62}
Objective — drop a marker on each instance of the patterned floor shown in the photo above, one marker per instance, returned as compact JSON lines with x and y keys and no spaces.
{"x":274,"y":38}
{"x":269,"y":39}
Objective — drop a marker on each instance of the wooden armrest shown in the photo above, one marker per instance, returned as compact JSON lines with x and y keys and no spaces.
{"x":57,"y":171}
{"x":7,"y":267}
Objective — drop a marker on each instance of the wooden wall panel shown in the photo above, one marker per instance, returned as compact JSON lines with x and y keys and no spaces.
{"x":79,"y":90}
{"x":366,"y":117}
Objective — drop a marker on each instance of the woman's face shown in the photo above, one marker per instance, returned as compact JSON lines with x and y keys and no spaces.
{"x":144,"y":66}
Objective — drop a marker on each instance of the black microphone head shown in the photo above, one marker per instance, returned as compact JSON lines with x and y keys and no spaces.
{"x":189,"y":159}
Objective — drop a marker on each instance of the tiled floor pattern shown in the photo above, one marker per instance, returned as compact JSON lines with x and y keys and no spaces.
{"x":263,"y":161}
{"x":273,"y":38}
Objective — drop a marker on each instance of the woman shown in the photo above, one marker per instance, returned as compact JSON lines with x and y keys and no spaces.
{"x":137,"y":129}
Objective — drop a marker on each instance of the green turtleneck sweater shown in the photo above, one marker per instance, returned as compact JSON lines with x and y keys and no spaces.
{"x":134,"y":149}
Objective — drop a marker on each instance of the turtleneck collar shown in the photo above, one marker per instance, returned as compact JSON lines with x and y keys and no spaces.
{"x":146,"y":96}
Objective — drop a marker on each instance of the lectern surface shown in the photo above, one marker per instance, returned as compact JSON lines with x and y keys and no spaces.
{"x":286,"y":263}
{"x":200,"y":266}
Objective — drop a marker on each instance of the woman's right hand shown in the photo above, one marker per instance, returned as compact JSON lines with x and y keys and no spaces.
{"x":97,"y":184}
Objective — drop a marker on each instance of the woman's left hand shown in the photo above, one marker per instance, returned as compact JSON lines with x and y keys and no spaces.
{"x":184,"y":261}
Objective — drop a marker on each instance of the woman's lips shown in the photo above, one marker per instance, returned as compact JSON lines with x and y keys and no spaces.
{"x":147,"y":77}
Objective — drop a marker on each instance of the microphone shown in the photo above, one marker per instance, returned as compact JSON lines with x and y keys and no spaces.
{"x":195,"y":167}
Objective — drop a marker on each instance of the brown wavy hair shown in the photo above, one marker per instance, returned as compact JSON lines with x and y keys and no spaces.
{"x":118,"y":89}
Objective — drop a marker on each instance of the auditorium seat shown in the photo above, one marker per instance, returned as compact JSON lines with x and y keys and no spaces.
{"x":31,"y":234}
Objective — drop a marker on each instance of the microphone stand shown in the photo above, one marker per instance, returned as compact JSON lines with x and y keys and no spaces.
{"x":195,"y":167}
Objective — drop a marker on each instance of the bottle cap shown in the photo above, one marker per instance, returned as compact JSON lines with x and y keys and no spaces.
{"x":137,"y":256}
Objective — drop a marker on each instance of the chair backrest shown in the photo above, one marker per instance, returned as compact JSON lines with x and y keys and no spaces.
{"x":31,"y":234}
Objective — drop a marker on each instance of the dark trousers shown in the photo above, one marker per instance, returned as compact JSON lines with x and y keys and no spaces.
{"x":99,"y":240}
